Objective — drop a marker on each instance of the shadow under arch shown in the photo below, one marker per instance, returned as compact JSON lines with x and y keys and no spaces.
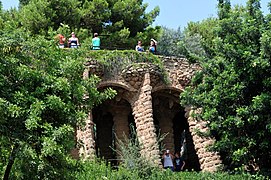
{"x":169,"y":118}
{"x":111,"y":119}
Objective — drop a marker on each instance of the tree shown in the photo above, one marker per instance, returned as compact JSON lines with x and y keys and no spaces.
{"x":169,"y":41}
{"x":42,"y":100}
{"x":233,"y":87}
{"x":122,"y":22}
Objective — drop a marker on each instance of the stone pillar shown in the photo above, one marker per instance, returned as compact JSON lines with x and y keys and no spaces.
{"x":166,"y":126}
{"x":209,"y":161}
{"x":85,"y":139}
{"x":121,"y":125}
{"x":143,"y":115}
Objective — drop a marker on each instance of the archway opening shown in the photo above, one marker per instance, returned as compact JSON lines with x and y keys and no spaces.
{"x":169,"y":118}
{"x":111,"y":121}
{"x":104,"y":133}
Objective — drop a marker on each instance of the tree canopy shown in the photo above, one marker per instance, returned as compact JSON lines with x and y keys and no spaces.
{"x":120,"y":22}
{"x":233,"y":87}
{"x":42,"y":100}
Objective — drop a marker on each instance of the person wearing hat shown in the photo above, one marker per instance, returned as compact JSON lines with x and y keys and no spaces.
{"x":168,"y":160}
{"x":153,"y":45}
{"x":73,"y":41}
{"x":96,"y":42}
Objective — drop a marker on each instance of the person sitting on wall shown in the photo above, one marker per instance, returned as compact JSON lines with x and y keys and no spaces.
{"x":73,"y":41}
{"x":139,"y":47}
{"x":168,"y":160}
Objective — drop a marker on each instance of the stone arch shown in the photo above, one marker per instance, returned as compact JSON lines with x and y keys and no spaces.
{"x":114,"y":117}
{"x":170,"y":118}
{"x":103,"y":133}
{"x":116,"y":84}
{"x":141,"y":92}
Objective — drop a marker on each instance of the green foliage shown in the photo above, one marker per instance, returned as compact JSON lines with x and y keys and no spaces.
{"x":233,"y":87}
{"x":182,"y":44}
{"x":42,"y":100}
{"x":97,"y":169}
{"x":121,"y":22}
{"x":169,"y":42}
{"x":116,"y":61}
{"x":132,"y":158}
{"x":135,"y":166}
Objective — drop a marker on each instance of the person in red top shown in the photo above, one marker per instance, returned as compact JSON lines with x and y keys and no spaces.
{"x":62,"y":40}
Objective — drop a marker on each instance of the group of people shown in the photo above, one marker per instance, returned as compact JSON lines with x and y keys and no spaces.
{"x":73,"y":41}
{"x":152,"y":48}
{"x":175,"y":163}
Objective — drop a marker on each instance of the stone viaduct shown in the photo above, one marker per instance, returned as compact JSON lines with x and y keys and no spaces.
{"x":151,"y":105}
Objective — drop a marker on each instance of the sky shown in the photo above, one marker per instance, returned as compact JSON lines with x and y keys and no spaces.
{"x":175,"y":13}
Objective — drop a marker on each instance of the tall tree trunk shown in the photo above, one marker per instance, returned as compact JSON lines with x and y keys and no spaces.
{"x":11,"y":161}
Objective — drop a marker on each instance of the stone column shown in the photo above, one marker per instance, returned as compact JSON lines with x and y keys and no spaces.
{"x":121,"y":125}
{"x":166,"y":126}
{"x":85,"y":139}
{"x":209,"y":161}
{"x":143,"y":115}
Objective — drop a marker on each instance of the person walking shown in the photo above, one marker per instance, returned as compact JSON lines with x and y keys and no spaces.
{"x":61,"y":41}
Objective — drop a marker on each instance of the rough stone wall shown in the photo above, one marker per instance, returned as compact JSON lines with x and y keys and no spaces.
{"x":121,"y":126}
{"x":180,"y":71}
{"x":142,"y":111}
{"x":209,"y":161}
{"x":139,"y":83}
{"x":85,"y":139}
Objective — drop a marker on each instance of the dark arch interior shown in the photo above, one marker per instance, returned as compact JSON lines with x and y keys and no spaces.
{"x":104,"y":134}
{"x":181,"y":133}
{"x":161,"y":101}
{"x":104,"y":131}
{"x":164,"y":102}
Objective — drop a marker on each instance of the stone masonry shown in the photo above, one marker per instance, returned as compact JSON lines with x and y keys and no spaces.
{"x":151,"y":103}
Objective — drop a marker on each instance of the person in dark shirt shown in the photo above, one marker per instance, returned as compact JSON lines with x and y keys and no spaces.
{"x":73,"y":41}
{"x":179,"y":162}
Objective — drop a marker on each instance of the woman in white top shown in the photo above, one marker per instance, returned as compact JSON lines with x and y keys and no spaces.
{"x":168,"y":160}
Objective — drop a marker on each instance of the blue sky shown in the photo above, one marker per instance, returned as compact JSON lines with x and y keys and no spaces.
{"x":175,"y":13}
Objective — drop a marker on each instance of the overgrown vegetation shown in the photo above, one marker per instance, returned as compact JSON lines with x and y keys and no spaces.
{"x":233,"y":88}
{"x":41,"y":101}
{"x":93,"y":170}
{"x":116,"y":61}
{"x":42,"y":89}
{"x":135,"y":166}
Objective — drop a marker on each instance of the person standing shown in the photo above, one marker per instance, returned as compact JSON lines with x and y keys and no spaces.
{"x":179,"y":162}
{"x":96,"y":42}
{"x":139,"y":47}
{"x":168,"y":160}
{"x":73,"y":41}
{"x":61,"y":41}
{"x":153,"y":45}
